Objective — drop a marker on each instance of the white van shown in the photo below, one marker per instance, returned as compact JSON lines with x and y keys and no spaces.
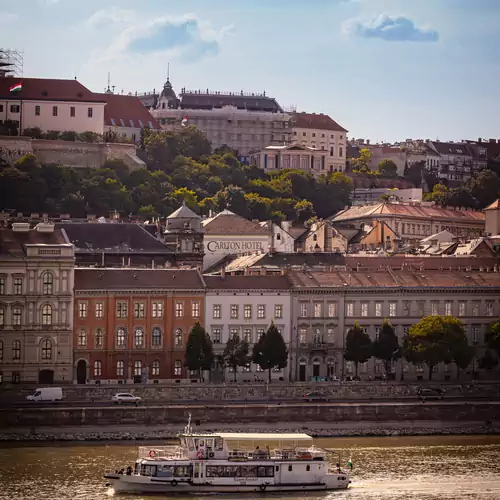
{"x":46,"y":394}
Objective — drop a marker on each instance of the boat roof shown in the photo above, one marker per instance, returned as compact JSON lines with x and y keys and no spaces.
{"x":255,"y":436}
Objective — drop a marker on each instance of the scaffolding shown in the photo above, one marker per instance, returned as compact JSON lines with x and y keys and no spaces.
{"x":11,"y":63}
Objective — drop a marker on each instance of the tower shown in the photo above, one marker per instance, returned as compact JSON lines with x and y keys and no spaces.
{"x":168,"y":98}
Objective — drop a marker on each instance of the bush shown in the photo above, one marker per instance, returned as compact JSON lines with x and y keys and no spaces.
{"x":89,"y":136}
{"x":68,"y":135}
{"x":51,"y":135}
{"x":33,"y":132}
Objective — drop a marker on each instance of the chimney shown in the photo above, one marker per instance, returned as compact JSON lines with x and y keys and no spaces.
{"x":367,"y":142}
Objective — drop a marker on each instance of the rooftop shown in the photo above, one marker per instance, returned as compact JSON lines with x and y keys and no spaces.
{"x":227,"y":222}
{"x":316,"y":121}
{"x":13,"y":243}
{"x":239,"y":282}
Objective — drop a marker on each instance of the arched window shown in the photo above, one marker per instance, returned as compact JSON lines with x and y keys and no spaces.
{"x":156,"y":337}
{"x":120,"y":337}
{"x":178,"y":337}
{"x":98,"y":336}
{"x":48,"y":283}
{"x":137,"y":368}
{"x":46,"y":349}
{"x":155,"y":368}
{"x":82,"y":338}
{"x":97,"y":368}
{"x":178,"y":368}
{"x":46,"y":314}
{"x":120,"y":368}
{"x":1,"y":350}
{"x":16,"y":349}
{"x":139,"y":337}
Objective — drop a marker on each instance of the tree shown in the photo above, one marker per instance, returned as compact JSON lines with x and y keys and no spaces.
{"x":236,"y":353}
{"x":199,"y":352}
{"x":463,"y":356}
{"x":492,"y":337}
{"x":440,"y":194}
{"x":270,"y":351}
{"x":388,"y":168}
{"x":362,"y":163}
{"x":488,"y":361}
{"x":386,"y":347}
{"x":414,"y":173}
{"x":304,"y":210}
{"x":358,"y":346}
{"x":434,"y":340}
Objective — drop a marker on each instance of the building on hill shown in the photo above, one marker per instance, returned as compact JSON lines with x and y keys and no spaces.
{"x":51,"y":105}
{"x":244,"y":122}
{"x":126,"y":116}
{"x":132,"y":325}
{"x":36,"y":304}
{"x":321,"y":132}
{"x":492,"y":218}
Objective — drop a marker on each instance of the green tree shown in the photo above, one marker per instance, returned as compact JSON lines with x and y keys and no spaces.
{"x":415,"y":172}
{"x":304,"y":210}
{"x":236,"y":353}
{"x":386,"y":346}
{"x":462,"y":357}
{"x":199,"y":352}
{"x":492,"y":337}
{"x":388,"y":168}
{"x":440,"y":194}
{"x":270,"y":351}
{"x":358,"y":346}
{"x":362,"y":164}
{"x":488,"y":361}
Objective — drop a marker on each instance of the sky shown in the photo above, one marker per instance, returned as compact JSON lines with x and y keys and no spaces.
{"x":386,"y":70}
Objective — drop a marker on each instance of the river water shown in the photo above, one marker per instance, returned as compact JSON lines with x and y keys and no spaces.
{"x":392,"y":468}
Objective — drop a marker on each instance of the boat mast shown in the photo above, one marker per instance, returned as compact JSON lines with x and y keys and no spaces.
{"x":188,"y":429}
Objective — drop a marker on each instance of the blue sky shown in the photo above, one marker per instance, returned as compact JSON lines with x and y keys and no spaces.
{"x":384,"y":69}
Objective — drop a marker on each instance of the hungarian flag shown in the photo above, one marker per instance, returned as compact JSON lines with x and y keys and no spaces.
{"x":17,"y":87}
{"x":184,"y":121}
{"x":349,"y":463}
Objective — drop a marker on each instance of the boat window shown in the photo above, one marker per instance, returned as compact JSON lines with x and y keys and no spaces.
{"x":202,"y":442}
{"x":196,"y":470}
{"x":277,"y":468}
{"x":219,"y":444}
{"x":164,"y":470}
{"x":183,"y":470}
{"x":308,"y":468}
{"x":190,"y":444}
{"x":239,"y":471}
{"x":148,"y":470}
{"x":210,"y":444}
{"x":289,"y":468}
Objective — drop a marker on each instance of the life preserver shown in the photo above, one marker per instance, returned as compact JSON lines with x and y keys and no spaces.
{"x":200,"y":454}
{"x":174,"y":483}
{"x":153,"y":454}
{"x":263,"y":487}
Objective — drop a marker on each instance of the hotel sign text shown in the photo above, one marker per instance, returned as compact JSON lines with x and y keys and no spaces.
{"x":234,"y":246}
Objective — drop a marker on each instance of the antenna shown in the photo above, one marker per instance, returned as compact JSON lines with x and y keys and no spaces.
{"x":168,"y":71}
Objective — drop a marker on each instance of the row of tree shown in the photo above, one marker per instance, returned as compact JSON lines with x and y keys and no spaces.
{"x":269,"y":352}
{"x":434,"y":340}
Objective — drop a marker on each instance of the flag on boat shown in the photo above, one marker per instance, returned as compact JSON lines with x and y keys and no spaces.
{"x":184,"y":121}
{"x":17,"y":87}
{"x":349,"y":463}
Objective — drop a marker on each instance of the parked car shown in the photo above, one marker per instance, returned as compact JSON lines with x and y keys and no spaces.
{"x":430,"y":393}
{"x":126,"y":397}
{"x":315,"y":396}
{"x":46,"y":394}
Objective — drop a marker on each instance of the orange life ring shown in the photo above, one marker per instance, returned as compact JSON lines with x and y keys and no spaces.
{"x":153,"y":454}
{"x":200,"y":454}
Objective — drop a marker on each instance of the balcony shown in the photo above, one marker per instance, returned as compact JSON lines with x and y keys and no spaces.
{"x":320,"y":346}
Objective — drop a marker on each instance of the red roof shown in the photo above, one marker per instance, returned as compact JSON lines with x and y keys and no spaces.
{"x":47,"y":89}
{"x":319,"y":122}
{"x":494,"y":206}
{"x":127,"y":111}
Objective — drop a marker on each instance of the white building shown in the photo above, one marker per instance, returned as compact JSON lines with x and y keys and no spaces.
{"x":246,"y":306}
{"x":36,"y":305}
{"x":320,"y":132}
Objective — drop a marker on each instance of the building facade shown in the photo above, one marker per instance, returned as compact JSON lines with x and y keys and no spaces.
{"x":245,"y":306}
{"x":36,"y":305}
{"x":131,"y":325}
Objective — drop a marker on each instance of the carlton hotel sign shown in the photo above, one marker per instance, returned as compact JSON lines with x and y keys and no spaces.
{"x":234,"y":246}
{"x":216,"y":247}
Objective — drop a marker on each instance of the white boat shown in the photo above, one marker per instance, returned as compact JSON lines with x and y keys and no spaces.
{"x":224,"y":462}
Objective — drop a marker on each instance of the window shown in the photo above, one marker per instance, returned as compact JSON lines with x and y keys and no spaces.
{"x":18,"y":286}
{"x":1,"y":350}
{"x":434,"y":308}
{"x":178,"y":337}
{"x":475,"y":334}
{"x":216,"y":333}
{"x":155,"y":368}
{"x":461,"y":308}
{"x":16,"y":349}
{"x":247,"y":335}
{"x":261,"y":311}
{"x":421,"y":308}
{"x":121,"y":309}
{"x":419,"y":368}
{"x":156,"y":337}
{"x":15,"y":108}
{"x":82,"y":309}
{"x":364,"y":309}
{"x":216,"y":311}
{"x":247,"y":311}
{"x":340,"y":152}
{"x":393,"y":308}
{"x":46,"y":349}
{"x":332,"y":310}
{"x":98,"y":337}
{"x":2,"y":316}
{"x":17,"y":313}
{"x":139,"y":337}
{"x":303,"y":310}
{"x":120,"y":337}
{"x":475,"y":309}
{"x":233,"y":333}
{"x":37,"y":110}
{"x":278,"y":311}
{"x":99,"y":310}
{"x":2,"y":286}
{"x":260,"y":333}
{"x":82,"y":338}
{"x":378,"y":309}
{"x":179,"y":309}
{"x":177,"y":368}
{"x":46,"y":314}
{"x":447,"y":308}
{"x":234,"y":311}
{"x":54,"y":110}
{"x":317,"y":310}
{"x":90,"y":112}
{"x":120,"y":368}
{"x":137,"y":368}
{"x":303,"y":336}
{"x":195,"y":309}
{"x":406,"y":308}
{"x":139,"y":309}
{"x":97,"y":368}
{"x":157,"y":309}
{"x":72,"y":111}
{"x":350,"y":309}
{"x":489,"y":308}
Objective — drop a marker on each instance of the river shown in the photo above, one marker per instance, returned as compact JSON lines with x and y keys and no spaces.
{"x":392,"y":468}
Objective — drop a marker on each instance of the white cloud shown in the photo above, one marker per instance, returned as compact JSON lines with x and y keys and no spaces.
{"x":6,"y":18}
{"x":113,"y":15}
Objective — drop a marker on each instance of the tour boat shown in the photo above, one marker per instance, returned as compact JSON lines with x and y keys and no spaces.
{"x":226,"y":462}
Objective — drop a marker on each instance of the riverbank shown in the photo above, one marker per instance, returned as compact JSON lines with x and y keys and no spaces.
{"x":315,"y":429}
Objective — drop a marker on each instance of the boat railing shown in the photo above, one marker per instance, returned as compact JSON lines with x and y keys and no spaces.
{"x":162,"y":452}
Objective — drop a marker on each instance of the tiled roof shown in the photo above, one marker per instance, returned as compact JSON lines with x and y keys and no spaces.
{"x":112,"y":237}
{"x":47,"y":89}
{"x":316,"y":121}
{"x":192,"y":100}
{"x":126,"y":111}
{"x":227,"y":222}
{"x":127,"y":278}
{"x":494,"y":206}
{"x":183,"y":212}
{"x":450,"y":148}
{"x":247,"y":282}
{"x":12,"y":243}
